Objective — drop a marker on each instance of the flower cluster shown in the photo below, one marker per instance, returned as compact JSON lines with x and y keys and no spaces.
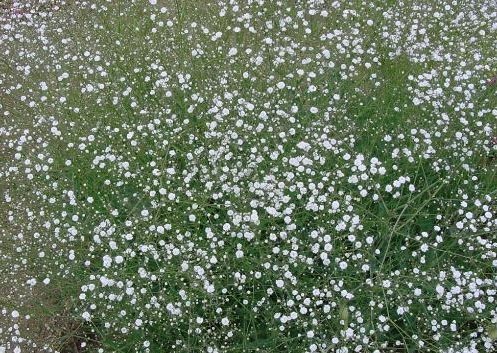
{"x":250,"y":176}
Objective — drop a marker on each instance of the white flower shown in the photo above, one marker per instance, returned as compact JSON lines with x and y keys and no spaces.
{"x":440,"y":290}
{"x":304,"y":146}
{"x":107,"y":261}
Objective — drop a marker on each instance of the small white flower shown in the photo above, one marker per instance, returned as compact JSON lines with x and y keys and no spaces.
{"x":304,"y":146}
{"x":107,"y":261}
